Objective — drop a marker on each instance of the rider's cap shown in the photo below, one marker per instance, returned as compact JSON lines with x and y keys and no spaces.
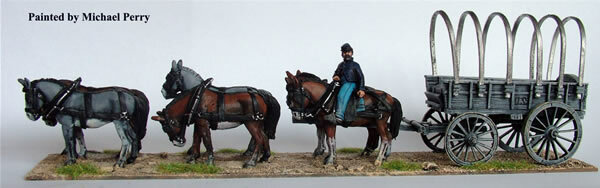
{"x":347,"y":48}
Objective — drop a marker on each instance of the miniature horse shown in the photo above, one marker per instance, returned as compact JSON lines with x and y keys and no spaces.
{"x":76,"y":107}
{"x":180,"y":79}
{"x":239,"y":104}
{"x":305,"y":89}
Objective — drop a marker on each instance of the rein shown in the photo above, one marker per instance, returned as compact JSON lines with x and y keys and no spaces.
{"x":308,"y":114}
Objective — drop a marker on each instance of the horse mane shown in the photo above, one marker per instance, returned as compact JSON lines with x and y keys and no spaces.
{"x":61,"y":82}
{"x":194,"y":73}
{"x":305,"y":76}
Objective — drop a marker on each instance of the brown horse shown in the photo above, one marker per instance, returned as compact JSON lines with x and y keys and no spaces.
{"x":305,"y":90}
{"x":237,"y":108}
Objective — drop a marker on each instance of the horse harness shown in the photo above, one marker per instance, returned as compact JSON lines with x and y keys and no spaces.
{"x":51,"y":109}
{"x":219,"y":115}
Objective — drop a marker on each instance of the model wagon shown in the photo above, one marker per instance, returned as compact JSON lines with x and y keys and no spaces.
{"x":469,"y":117}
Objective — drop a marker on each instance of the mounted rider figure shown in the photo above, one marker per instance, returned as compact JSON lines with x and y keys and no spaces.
{"x":351,"y":77}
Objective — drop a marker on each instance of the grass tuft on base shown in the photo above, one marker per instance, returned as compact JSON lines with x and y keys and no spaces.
{"x":401,"y":166}
{"x":501,"y":165}
{"x":179,"y":168}
{"x":349,"y":150}
{"x":75,"y":170}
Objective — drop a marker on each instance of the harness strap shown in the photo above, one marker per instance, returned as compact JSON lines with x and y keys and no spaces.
{"x":56,"y":104}
{"x":255,"y":108}
{"x":192,"y":106}
{"x":123,"y":115}
{"x":88,"y":110}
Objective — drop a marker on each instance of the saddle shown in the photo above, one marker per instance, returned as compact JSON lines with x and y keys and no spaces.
{"x":374,"y":110}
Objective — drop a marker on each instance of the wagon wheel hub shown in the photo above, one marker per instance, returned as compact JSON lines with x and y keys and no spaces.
{"x":471,"y":139}
{"x":552,"y":133}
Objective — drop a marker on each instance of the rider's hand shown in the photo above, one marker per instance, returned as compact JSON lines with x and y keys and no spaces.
{"x":336,"y":78}
{"x":361,"y":93}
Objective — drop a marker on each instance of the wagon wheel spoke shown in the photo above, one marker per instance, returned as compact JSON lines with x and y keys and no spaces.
{"x":434,"y":140}
{"x":517,"y":140}
{"x":566,"y":139}
{"x":561,"y":146}
{"x":484,"y":146}
{"x":481,"y":125}
{"x":567,"y":131}
{"x":548,"y":149}
{"x":541,"y":147}
{"x":554,"y":149}
{"x":541,"y":123}
{"x":548,"y":122}
{"x":503,"y":127}
{"x":511,"y":136}
{"x":506,"y":133}
{"x":479,"y":150}
{"x":561,"y":117}
{"x":565,"y":123}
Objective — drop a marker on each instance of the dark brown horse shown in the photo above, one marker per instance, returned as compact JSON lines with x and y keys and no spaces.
{"x":306,"y":90}
{"x":238,"y":108}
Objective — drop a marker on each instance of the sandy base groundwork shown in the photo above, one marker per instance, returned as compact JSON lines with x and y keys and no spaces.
{"x":286,"y":165}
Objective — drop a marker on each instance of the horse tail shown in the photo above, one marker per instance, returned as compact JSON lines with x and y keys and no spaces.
{"x":394,"y":125}
{"x":273,"y":112}
{"x":140,"y":115}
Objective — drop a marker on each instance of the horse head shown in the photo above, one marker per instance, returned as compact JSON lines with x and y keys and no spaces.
{"x":34,"y":99}
{"x":179,"y":79}
{"x":304,"y":90}
{"x":172,"y":127}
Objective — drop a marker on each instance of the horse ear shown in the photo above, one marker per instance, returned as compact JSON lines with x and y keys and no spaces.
{"x":287,"y":80}
{"x":298,"y":72}
{"x":180,"y":64}
{"x":24,"y":82}
{"x":289,"y":75}
{"x":174,"y":65}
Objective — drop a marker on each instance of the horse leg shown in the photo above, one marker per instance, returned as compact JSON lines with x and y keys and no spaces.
{"x":125,"y":143}
{"x":69,"y":144}
{"x":250,"y":149}
{"x":132,"y":138}
{"x":372,"y":142}
{"x":320,"y":143}
{"x":266,"y":148}
{"x":196,"y":144}
{"x":330,"y":131}
{"x":206,"y":137}
{"x":385,"y":142}
{"x":256,"y":131}
{"x":82,"y":148}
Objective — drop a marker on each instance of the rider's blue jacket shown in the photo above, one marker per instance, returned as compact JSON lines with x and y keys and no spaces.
{"x":349,"y":71}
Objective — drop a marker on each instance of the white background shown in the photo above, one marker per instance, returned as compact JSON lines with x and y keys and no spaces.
{"x":254,"y":43}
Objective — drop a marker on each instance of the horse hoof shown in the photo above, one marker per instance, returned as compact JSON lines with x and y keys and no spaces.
{"x":318,"y":153}
{"x":210,"y":162}
{"x":263,"y":159}
{"x":69,"y":162}
{"x":120,"y":163}
{"x":378,"y":162}
{"x":247,"y":153}
{"x":131,"y":160}
{"x":249,"y":165}
{"x":191,"y":161}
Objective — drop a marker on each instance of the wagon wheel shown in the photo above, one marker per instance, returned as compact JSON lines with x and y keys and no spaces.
{"x":435,"y":140}
{"x":552,"y":133}
{"x":473,"y":138}
{"x":511,"y":137}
